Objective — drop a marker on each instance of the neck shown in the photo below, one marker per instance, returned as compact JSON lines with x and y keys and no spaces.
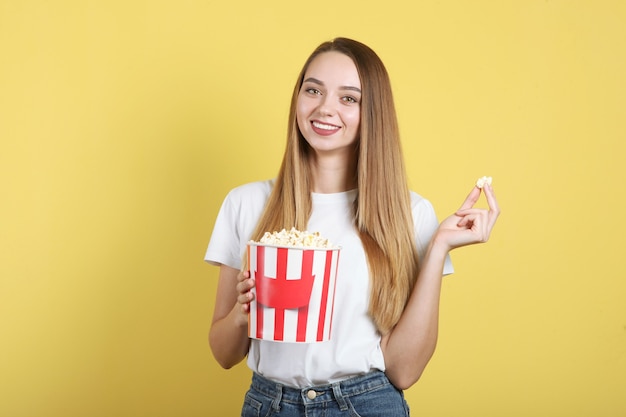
{"x":333,"y":174}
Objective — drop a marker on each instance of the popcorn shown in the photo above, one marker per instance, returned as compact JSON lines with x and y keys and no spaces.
{"x":296,"y":238}
{"x":480,"y":183}
{"x":295,"y":275}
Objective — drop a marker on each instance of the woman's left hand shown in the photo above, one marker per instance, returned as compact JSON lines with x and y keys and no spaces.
{"x":469,"y":225}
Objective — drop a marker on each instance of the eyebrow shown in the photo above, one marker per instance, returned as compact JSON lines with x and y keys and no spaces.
{"x":343,"y":87}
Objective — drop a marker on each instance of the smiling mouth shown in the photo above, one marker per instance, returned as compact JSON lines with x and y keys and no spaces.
{"x":324,"y":127}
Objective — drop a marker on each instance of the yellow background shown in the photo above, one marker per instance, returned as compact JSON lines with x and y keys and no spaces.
{"x":124,"y":123}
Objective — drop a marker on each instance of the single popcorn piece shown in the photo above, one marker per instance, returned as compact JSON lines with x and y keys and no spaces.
{"x":295,"y":238}
{"x":480,"y":183}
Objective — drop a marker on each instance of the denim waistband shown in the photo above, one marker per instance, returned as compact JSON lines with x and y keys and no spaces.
{"x":320,"y":393}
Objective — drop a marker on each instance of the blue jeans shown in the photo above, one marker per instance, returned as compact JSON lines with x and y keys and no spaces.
{"x":370,"y":395}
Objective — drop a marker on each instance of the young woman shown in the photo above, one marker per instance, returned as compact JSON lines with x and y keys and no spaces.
{"x":343,"y":175}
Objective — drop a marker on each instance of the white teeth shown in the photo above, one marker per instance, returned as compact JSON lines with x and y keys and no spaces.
{"x":324,"y":127}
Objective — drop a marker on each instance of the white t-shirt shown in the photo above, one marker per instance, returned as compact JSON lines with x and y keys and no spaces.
{"x":354,"y":346}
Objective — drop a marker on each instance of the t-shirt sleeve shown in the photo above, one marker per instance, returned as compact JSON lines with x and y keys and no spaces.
{"x":426,"y":224}
{"x":224,"y":247}
{"x":235,"y":223}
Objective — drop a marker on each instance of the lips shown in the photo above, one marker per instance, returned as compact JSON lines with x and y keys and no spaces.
{"x":324,"y":129}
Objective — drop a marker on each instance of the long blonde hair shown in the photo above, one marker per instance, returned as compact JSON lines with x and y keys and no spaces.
{"x":382,"y":210}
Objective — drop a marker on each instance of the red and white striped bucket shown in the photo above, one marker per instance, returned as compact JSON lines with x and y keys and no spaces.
{"x":294,"y":293}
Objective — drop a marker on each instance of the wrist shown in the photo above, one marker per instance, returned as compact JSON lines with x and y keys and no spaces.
{"x":438,"y":248}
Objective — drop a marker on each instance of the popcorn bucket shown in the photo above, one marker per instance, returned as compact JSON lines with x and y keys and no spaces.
{"x":294,"y":292}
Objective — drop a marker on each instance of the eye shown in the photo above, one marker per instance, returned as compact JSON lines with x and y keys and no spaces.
{"x":349,"y":99}
{"x":313,"y":91}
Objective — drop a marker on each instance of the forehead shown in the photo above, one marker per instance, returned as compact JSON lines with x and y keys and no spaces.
{"x":334,"y":67}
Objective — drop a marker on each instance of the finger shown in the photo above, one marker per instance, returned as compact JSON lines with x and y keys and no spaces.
{"x":465,"y":221}
{"x":494,"y":208}
{"x":245,"y":286}
{"x":245,"y":282}
{"x":470,"y":212}
{"x":472,"y":220}
{"x":245,"y":298}
{"x":478,"y":221}
{"x":471,"y":199}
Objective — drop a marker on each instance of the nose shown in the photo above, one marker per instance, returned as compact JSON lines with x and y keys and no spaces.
{"x":327,"y":107}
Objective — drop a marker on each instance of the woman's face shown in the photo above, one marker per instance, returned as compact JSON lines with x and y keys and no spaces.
{"x":329,"y":104}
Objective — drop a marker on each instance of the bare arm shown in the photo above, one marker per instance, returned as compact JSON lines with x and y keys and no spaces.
{"x":228,"y":336}
{"x":411,"y":344}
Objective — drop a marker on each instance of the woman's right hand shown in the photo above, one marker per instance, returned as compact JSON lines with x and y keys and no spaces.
{"x":244,"y":287}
